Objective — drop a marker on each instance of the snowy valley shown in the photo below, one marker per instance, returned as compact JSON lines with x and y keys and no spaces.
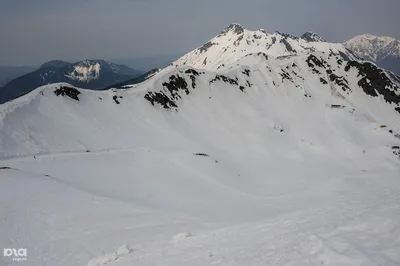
{"x":253,"y":149}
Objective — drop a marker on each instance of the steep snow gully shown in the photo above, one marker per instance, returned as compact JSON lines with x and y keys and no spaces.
{"x":254,"y":149}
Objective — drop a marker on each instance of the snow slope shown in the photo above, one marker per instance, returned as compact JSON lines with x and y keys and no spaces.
{"x":172,"y":208}
{"x":260,"y":157}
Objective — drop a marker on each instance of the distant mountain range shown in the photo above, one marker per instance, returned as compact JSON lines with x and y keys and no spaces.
{"x":8,"y":73}
{"x":147,"y":63}
{"x":88,"y":74}
{"x":100,"y":74}
{"x":384,"y":51}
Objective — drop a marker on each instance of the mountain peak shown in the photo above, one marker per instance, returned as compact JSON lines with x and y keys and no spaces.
{"x":235,"y":28}
{"x":236,"y":42}
{"x":312,"y":37}
{"x":367,"y":37}
{"x":373,"y":47}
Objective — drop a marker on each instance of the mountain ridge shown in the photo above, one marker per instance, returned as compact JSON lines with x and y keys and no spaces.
{"x":89,"y":74}
{"x":383,"y":50}
{"x":235,"y":41}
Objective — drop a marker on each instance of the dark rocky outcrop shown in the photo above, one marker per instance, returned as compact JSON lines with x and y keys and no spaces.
{"x":202,"y":154}
{"x":175,"y":84}
{"x":225,"y":79}
{"x":160,"y":98}
{"x":237,"y":42}
{"x":206,"y":46}
{"x":68,"y":91}
{"x":115,"y":98}
{"x":193,"y":73}
{"x":287,"y":35}
{"x":340,"y":81}
{"x":374,"y":82}
{"x":285,"y":76}
{"x":313,"y":61}
{"x":231,"y":81}
{"x":173,"y":87}
{"x":236,"y":28}
{"x":312,"y":37}
{"x":258,"y":54}
{"x":288,"y":46}
{"x":337,"y":106}
{"x":396,"y":150}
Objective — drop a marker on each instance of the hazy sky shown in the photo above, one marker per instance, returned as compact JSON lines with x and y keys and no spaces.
{"x":34,"y":31}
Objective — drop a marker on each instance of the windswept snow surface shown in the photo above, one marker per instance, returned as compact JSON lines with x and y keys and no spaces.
{"x":267,"y":160}
{"x":171,"y":208}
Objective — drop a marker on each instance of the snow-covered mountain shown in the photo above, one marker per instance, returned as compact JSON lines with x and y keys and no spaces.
{"x":88,"y":74}
{"x":252,"y":149}
{"x":235,"y":42}
{"x":384,"y":51}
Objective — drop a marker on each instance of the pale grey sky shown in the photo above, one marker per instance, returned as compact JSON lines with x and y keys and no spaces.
{"x":35,"y":31}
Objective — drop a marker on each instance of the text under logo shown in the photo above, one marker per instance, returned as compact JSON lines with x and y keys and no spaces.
{"x":16,"y":254}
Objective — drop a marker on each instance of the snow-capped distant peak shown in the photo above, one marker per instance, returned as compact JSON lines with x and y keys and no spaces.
{"x":85,"y":71}
{"x":370,"y":37}
{"x":373,"y":47}
{"x":312,"y":37}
